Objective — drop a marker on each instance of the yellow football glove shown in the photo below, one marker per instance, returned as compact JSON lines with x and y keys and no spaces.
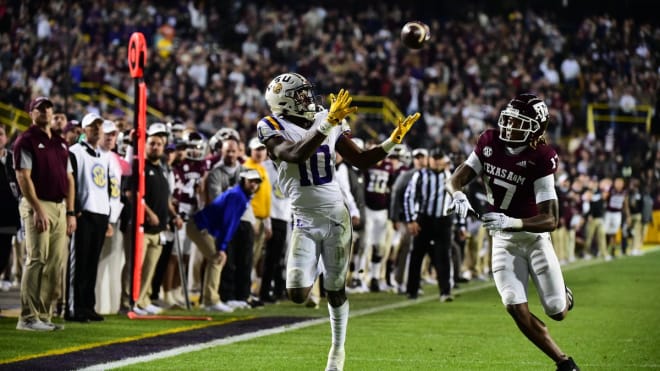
{"x":403,"y":127}
{"x":340,"y":107}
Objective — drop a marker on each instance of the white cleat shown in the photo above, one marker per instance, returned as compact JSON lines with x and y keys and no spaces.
{"x":335,"y":359}
{"x":153,"y":309}
{"x":36,"y":325}
{"x":219,"y":307}
{"x":238,"y":304}
{"x":312,"y":301}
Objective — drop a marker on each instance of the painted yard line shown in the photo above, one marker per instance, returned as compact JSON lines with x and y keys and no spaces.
{"x":278,"y":330}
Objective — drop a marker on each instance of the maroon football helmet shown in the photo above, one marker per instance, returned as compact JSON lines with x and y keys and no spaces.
{"x":524,"y":119}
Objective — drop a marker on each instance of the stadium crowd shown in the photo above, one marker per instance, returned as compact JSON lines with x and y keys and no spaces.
{"x":207,"y":71}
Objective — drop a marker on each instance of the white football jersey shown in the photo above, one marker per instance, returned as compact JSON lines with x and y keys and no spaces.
{"x":312,"y":183}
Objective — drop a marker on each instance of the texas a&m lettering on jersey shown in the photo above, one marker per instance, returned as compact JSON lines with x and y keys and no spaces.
{"x":499,"y":172}
{"x":509,"y":178}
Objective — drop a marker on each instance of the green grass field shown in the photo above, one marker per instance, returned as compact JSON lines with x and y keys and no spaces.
{"x":615,"y":325}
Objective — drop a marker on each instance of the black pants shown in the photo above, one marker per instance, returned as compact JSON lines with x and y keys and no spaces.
{"x":272,"y":279}
{"x":5,"y":252}
{"x":235,"y":279}
{"x":87,"y":246}
{"x":435,"y":240}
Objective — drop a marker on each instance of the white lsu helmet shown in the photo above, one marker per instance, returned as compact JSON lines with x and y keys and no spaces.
{"x":291,"y":94}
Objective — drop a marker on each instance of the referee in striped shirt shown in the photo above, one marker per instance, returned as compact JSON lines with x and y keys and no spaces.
{"x":425,"y":208}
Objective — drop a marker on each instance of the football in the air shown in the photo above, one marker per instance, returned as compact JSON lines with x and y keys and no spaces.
{"x":415,"y":34}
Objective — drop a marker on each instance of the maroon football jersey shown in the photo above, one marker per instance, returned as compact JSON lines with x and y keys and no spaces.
{"x":187,"y":176}
{"x":616,"y":200}
{"x":509,"y":179}
{"x":378,"y":182}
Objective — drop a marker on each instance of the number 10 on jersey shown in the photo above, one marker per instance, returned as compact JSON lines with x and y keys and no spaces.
{"x":318,"y":163}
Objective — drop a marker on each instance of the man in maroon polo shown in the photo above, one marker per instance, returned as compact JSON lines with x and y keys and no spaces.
{"x":45,"y":178}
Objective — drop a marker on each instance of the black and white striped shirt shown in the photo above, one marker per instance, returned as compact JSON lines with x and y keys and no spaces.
{"x":426,"y":195}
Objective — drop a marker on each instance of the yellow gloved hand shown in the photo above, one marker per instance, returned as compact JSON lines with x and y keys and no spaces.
{"x":403,"y":127}
{"x":340,"y":107}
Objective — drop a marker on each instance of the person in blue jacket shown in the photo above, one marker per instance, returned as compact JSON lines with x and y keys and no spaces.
{"x":213,"y":228}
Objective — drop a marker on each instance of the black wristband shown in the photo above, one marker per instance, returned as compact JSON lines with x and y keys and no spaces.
{"x":70,"y":213}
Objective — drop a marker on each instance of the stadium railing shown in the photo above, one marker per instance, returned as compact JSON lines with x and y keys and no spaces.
{"x":375,"y":108}
{"x":598,"y":113}
{"x":106,"y":94}
{"x":16,"y":119}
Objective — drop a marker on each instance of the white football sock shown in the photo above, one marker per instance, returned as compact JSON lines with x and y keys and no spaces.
{"x":375,"y":270}
{"x":338,"y":324}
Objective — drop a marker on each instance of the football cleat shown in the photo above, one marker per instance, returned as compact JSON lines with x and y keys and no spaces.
{"x":335,"y":359}
{"x":36,"y":325}
{"x":567,"y":365}
{"x":219,"y":307}
{"x":374,"y":285}
{"x":569,"y":298}
{"x":312,"y":301}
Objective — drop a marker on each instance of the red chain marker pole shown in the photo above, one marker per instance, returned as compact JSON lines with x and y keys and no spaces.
{"x":137,"y":60}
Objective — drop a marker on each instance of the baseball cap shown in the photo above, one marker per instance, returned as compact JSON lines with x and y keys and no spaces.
{"x":178,"y":126}
{"x":255,"y":143}
{"x":109,"y":126}
{"x":38,"y":101}
{"x":171,"y":147}
{"x":250,"y":174}
{"x":420,"y":151}
{"x":72,"y":124}
{"x":157,"y":128}
{"x":90,"y":118}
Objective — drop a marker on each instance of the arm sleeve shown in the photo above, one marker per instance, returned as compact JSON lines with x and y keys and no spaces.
{"x":409,"y":197}
{"x":544,"y":188}
{"x":25,"y":161}
{"x":474,"y":162}
{"x":232,"y":208}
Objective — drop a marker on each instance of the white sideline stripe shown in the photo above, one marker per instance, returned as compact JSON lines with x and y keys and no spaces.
{"x":317,"y":321}
{"x":253,"y":335}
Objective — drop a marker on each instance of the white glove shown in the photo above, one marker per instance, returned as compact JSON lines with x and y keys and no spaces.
{"x":499,"y":221}
{"x":460,"y":204}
